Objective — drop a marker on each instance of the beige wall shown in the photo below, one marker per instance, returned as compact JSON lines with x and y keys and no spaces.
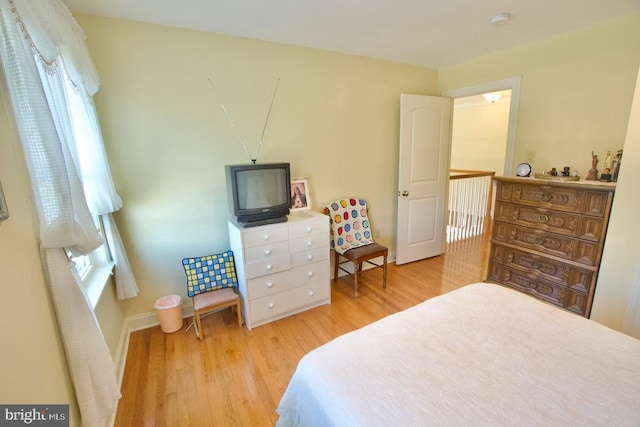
{"x":335,"y":119}
{"x":621,"y":258}
{"x":33,"y":369}
{"x":575,"y":95}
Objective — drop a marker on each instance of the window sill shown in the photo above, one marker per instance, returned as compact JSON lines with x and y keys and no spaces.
{"x":96,"y":281}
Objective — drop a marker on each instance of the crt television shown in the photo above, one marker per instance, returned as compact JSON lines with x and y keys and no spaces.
{"x":259,"y":193}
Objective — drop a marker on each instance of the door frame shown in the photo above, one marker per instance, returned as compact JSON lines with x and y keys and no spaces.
{"x":512,"y":83}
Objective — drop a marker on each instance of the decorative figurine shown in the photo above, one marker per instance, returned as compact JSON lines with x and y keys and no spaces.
{"x":593,"y":172}
{"x":616,"y":167}
{"x":566,"y":171}
{"x":553,"y":172}
{"x":606,"y":175}
{"x":608,"y":161}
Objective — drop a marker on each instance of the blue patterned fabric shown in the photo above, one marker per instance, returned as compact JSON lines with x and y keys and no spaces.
{"x":350,"y":226}
{"x":208,"y":273}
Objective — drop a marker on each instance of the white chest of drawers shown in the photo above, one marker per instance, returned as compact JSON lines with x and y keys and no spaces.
{"x":283,"y":268}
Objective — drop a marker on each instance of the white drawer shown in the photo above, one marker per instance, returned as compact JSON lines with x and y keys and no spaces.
{"x":263,"y":235}
{"x":306,"y":274}
{"x":309,"y":242}
{"x":308,"y":228}
{"x":266,"y":252}
{"x":275,"y":304}
{"x":309,"y":256}
{"x":270,"y":266}
{"x":272,"y":284}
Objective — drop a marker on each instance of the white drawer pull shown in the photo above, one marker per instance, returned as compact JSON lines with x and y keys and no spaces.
{"x":309,"y":244}
{"x":269,"y":267}
{"x":310,"y":293}
{"x":309,"y":229}
{"x":310,"y":274}
{"x":270,"y":285}
{"x":267,"y":252}
{"x":271,"y":305}
{"x":266,"y":237}
{"x":309,"y":257}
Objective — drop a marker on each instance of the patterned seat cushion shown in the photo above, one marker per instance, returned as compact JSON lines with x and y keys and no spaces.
{"x":350,"y":226}
{"x":208,"y":273}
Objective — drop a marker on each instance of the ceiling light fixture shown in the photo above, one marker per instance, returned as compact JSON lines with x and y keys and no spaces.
{"x":492,"y":97}
{"x":500,"y":19}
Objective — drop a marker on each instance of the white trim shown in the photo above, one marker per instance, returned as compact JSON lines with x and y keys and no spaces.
{"x":512,"y":83}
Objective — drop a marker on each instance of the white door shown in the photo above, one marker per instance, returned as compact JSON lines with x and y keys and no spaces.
{"x":425,"y":145}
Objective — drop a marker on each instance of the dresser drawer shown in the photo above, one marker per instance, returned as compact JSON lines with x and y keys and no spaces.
{"x":316,"y":241}
{"x":550,"y":243}
{"x":266,"y":252}
{"x":275,"y":283}
{"x":559,"y":272}
{"x":265,"y":234}
{"x":309,"y":273}
{"x":269,"y":266}
{"x":309,"y":256}
{"x":542,"y":218}
{"x":292,"y":299}
{"x":309,"y":228}
{"x":259,"y":287}
{"x":545,"y":196}
{"x":542,"y":289}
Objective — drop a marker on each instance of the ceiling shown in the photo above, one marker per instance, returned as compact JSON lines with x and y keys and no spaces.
{"x":430,"y":33}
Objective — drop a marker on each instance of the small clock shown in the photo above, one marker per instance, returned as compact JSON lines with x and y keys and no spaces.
{"x":523,"y":169}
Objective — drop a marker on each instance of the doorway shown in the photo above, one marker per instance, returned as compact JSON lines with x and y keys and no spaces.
{"x":483,"y":139}
{"x":500,"y":86}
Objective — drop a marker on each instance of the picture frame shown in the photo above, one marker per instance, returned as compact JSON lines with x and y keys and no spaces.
{"x":4,"y":211}
{"x":300,"y":198}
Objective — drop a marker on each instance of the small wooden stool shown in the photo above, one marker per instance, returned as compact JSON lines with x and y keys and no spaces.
{"x":215,"y":300}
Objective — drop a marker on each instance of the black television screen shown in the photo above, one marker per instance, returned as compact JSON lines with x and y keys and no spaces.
{"x":259,"y":193}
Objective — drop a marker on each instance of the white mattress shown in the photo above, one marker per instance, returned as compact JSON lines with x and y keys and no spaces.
{"x":482,"y":355}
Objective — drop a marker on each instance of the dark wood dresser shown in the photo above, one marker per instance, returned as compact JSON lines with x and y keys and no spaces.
{"x":547,"y":238}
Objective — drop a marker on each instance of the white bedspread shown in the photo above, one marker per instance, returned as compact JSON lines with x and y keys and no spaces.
{"x":482,"y":355}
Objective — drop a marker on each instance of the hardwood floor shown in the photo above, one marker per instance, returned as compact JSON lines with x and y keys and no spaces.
{"x":236,"y":377}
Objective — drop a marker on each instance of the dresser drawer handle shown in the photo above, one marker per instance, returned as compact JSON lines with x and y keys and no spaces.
{"x":546,"y":197}
{"x":311,"y":293}
{"x":266,"y":237}
{"x":269,"y":267}
{"x":271,"y":305}
{"x":543,"y":219}
{"x":310,"y":274}
{"x":309,"y":243}
{"x":309,"y":257}
{"x":270,"y":285}
{"x":309,"y":229}
{"x":267,"y":252}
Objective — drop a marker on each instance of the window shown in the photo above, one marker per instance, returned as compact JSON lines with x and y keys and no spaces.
{"x":95,"y":268}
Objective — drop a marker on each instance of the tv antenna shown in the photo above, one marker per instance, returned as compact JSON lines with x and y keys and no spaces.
{"x":264,"y":128}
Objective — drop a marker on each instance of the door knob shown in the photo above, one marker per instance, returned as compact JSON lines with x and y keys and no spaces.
{"x":405,"y":193}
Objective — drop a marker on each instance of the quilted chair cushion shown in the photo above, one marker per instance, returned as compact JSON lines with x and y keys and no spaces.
{"x":208,"y":273}
{"x":350,"y":227}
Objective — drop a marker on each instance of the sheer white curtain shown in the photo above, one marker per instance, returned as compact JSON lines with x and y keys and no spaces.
{"x":63,"y":189}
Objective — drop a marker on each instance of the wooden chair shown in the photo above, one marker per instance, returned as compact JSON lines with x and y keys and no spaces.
{"x":352,"y":239}
{"x":211,"y":281}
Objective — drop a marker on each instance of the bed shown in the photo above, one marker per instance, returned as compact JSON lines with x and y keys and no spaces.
{"x":479,"y":355}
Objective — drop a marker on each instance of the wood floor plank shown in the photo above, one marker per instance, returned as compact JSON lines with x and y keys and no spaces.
{"x":236,"y":377}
